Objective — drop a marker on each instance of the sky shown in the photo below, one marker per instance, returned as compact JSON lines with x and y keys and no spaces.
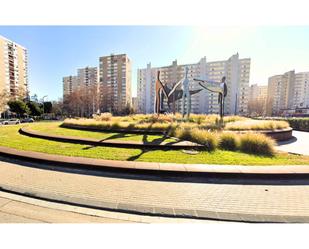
{"x":58,"y":51}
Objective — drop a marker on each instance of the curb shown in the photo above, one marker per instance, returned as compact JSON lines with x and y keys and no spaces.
{"x":155,"y":168}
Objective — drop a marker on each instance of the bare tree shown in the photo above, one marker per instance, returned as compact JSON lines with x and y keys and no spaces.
{"x":257,"y":107}
{"x":4,"y":97}
{"x":83,"y":102}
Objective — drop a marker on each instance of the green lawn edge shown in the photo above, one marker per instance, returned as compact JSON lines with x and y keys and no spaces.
{"x":9,"y":137}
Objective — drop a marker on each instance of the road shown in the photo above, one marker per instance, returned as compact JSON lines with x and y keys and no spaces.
{"x":299,"y":144}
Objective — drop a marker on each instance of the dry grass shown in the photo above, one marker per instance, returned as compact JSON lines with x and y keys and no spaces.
{"x":106,"y":116}
{"x":229,"y":141}
{"x":200,"y":136}
{"x":257,"y":144}
{"x":256,"y":125}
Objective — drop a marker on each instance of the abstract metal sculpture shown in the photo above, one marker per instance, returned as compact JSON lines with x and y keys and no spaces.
{"x":159,"y":92}
{"x":186,"y":97}
{"x":172,"y":94}
{"x":216,"y":87}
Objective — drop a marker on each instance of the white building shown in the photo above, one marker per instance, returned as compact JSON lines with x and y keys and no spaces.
{"x":237,"y":72}
{"x":289,"y":91}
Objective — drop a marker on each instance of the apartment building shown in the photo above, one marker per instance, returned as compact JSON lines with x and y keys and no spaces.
{"x":287,"y":92}
{"x":237,"y":72}
{"x":70,"y":84}
{"x":85,"y":85}
{"x":87,"y":77}
{"x":257,"y":100}
{"x":115,"y":83}
{"x":13,"y":69}
{"x":258,"y":92}
{"x":134,"y":104}
{"x":301,"y":90}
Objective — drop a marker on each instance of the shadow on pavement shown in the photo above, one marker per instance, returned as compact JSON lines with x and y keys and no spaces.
{"x":292,"y":140}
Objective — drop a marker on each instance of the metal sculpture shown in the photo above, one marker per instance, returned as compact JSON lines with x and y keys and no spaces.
{"x":216,"y":87}
{"x":159,"y":92}
{"x":172,"y":94}
{"x":186,"y":97}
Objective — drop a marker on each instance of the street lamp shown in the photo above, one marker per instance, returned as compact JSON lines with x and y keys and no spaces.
{"x":43,"y":104}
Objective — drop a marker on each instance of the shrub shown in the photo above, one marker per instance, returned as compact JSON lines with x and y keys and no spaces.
{"x":229,"y":141}
{"x":257,"y":144}
{"x":299,"y":123}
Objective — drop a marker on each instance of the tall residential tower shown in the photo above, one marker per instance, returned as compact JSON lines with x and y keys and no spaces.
{"x":288,"y":91}
{"x":13,"y":69}
{"x":115,"y":83}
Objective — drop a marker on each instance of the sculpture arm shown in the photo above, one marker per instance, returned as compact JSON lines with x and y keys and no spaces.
{"x":174,"y":87}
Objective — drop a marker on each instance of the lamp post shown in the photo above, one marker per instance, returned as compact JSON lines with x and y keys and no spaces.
{"x":43,"y":104}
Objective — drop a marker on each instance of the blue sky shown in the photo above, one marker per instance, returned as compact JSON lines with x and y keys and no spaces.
{"x":57,"y":51}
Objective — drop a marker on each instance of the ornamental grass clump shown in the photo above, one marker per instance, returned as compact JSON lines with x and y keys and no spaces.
{"x":229,"y":141}
{"x":204,"y":137}
{"x":106,"y":116}
{"x":256,"y":125}
{"x":200,"y":136}
{"x":257,"y":144}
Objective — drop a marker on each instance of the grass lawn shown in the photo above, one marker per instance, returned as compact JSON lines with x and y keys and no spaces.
{"x":10,"y":137}
{"x":53,"y":128}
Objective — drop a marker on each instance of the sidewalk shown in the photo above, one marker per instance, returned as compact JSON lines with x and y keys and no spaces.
{"x":237,"y":202}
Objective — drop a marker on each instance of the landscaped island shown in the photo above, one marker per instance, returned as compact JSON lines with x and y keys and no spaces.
{"x":201,"y":129}
{"x":220,"y":146}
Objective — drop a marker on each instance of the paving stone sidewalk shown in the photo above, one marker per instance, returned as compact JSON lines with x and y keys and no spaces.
{"x":262,"y":203}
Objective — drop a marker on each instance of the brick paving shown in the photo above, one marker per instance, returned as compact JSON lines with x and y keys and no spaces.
{"x":263,"y":203}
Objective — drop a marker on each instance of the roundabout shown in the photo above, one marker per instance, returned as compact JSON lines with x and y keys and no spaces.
{"x":128,"y":172}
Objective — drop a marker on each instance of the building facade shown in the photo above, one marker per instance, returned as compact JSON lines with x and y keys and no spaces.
{"x":237,"y":72}
{"x":115,"y":83}
{"x":87,"y":77}
{"x":134,"y":104}
{"x":70,"y":84}
{"x":257,"y":100}
{"x":82,"y":90}
{"x":13,"y":69}
{"x":258,"y":92}
{"x":287,"y":92}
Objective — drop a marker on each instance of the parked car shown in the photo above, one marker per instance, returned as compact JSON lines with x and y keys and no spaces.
{"x":11,"y":121}
{"x":27,"y":120}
